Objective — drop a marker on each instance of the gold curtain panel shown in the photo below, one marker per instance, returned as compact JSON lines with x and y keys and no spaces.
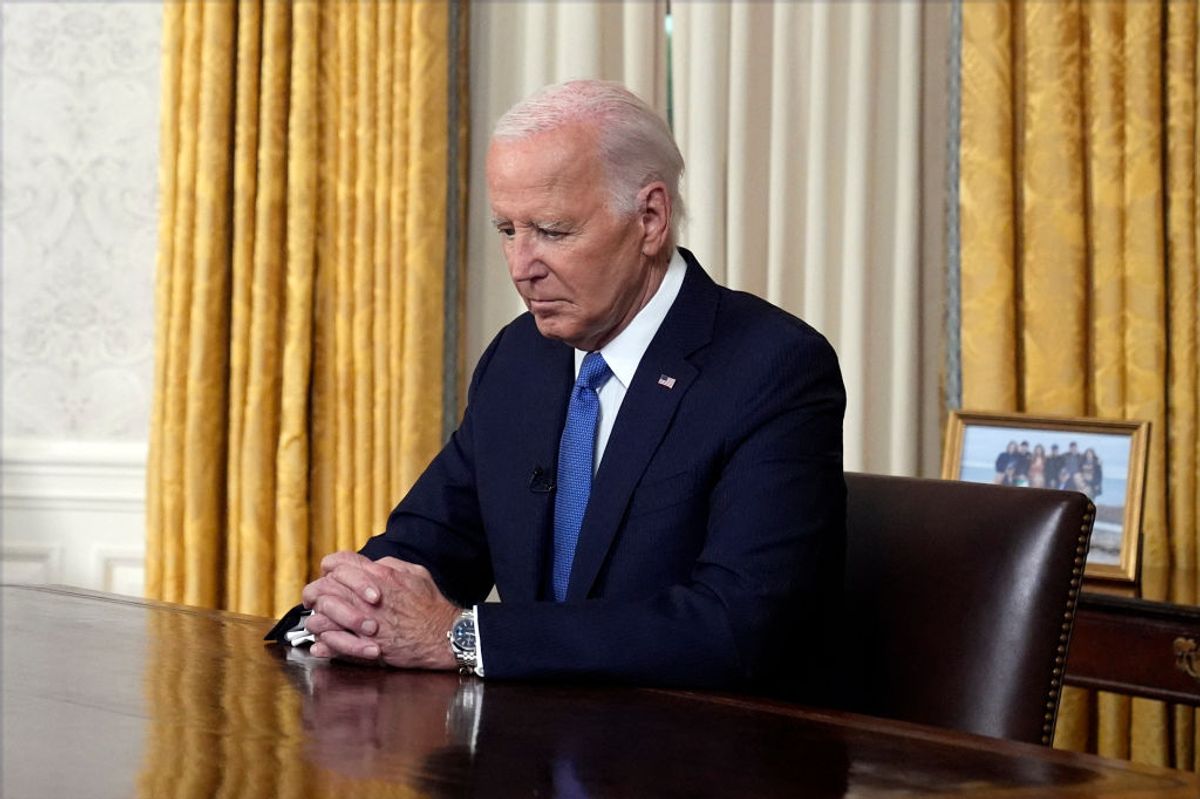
{"x":312,"y":175}
{"x":1079,"y":270}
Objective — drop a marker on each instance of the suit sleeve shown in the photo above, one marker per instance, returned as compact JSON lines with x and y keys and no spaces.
{"x":773,"y":548}
{"x":438,"y":523}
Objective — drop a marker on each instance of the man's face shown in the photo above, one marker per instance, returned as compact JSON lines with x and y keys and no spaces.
{"x":582,"y":271}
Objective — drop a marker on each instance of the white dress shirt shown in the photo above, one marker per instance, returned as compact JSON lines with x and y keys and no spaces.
{"x":624,"y":353}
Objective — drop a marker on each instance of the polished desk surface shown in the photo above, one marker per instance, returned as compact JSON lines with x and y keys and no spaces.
{"x":106,"y":696}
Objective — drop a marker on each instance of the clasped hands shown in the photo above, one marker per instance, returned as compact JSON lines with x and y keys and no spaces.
{"x":387,"y":611}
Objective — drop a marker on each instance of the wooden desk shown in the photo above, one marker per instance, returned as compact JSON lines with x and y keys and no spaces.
{"x":111,"y":697}
{"x":1145,"y":642}
{"x":1136,"y":646}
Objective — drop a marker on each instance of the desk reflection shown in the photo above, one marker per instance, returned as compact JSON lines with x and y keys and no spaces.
{"x":303,"y":726}
{"x":243,"y":719}
{"x":393,"y":725}
{"x":111,"y":697}
{"x":449,"y":736}
{"x":222,"y":721}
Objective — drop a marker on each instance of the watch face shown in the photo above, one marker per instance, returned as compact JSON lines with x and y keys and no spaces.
{"x":463,"y":634}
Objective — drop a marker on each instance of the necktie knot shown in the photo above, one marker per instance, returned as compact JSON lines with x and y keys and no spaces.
{"x":594,"y":372}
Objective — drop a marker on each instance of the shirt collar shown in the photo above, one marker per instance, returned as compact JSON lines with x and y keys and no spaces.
{"x":624,"y":353}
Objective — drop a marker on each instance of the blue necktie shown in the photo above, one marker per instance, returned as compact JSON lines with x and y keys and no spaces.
{"x":575,"y":454}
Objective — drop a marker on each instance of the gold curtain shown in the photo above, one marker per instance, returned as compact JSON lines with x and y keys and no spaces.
{"x":1079,"y":269}
{"x":312,"y":177}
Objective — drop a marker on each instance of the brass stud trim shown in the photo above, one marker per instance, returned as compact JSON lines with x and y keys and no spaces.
{"x":1056,"y":674}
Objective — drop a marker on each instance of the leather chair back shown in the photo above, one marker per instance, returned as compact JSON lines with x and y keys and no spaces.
{"x":960,"y":599}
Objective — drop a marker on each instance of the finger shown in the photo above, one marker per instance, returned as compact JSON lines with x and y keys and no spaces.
{"x":320,"y":650}
{"x":393,"y":571}
{"x":308,"y":596}
{"x":346,"y":615}
{"x":320,"y":623}
{"x":402,"y":566}
{"x":409,"y":578}
{"x":324,"y":586}
{"x":335,"y":559}
{"x":349,"y":645}
{"x":359,"y":581}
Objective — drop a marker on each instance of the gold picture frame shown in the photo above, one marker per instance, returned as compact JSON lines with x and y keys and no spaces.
{"x":1115,"y":468}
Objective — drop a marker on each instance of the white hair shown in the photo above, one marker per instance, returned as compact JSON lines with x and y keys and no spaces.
{"x":636,"y":146}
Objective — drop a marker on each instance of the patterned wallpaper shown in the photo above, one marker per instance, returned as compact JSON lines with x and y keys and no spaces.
{"x":80,"y":148}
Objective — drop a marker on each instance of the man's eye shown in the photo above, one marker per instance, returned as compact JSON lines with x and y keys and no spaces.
{"x":505,"y":231}
{"x":553,"y":235}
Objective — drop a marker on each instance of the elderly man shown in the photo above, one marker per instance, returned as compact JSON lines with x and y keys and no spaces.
{"x":649,"y":469}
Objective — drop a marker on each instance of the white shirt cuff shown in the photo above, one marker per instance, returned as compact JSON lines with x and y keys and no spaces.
{"x":478,"y":645}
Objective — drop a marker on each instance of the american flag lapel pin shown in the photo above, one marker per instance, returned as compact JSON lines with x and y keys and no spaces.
{"x":666,"y":381}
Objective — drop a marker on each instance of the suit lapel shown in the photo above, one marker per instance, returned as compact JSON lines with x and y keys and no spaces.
{"x":645,"y":415}
{"x":539,"y":414}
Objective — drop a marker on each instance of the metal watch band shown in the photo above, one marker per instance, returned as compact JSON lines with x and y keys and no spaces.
{"x":467,"y":657}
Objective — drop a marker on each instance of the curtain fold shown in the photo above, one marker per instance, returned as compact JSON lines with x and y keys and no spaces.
{"x":800,"y":125}
{"x":311,"y":170}
{"x":1079,"y":271}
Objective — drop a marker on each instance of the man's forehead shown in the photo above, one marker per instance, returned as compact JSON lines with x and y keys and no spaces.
{"x":546,"y":165}
{"x":558,"y":151}
{"x":537,"y":197}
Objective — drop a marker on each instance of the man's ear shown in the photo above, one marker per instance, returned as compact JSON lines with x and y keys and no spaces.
{"x":654,"y":205}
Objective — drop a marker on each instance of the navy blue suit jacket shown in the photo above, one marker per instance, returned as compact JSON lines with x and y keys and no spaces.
{"x":714,"y":536}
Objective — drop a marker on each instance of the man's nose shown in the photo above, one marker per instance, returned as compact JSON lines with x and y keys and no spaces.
{"x":524,"y":261}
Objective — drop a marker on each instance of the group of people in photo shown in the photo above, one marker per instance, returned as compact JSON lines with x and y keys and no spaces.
{"x":1071,"y":470}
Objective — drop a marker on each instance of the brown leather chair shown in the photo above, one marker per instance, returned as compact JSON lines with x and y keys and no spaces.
{"x":960,"y":599}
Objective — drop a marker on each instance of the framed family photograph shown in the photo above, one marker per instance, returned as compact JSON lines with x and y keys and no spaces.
{"x":1102,"y":458}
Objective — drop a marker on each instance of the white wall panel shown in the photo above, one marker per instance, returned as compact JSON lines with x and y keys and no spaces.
{"x":121,"y":570}
{"x":30,"y":562}
{"x":79,"y":229}
{"x":74,"y":514}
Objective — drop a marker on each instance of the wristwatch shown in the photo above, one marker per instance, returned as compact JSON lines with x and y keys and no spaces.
{"x":462,"y":642}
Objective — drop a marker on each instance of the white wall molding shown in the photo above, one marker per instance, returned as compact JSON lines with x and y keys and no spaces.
{"x":80,"y":474}
{"x":30,"y":562}
{"x":122,"y":570}
{"x":73,"y":512}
